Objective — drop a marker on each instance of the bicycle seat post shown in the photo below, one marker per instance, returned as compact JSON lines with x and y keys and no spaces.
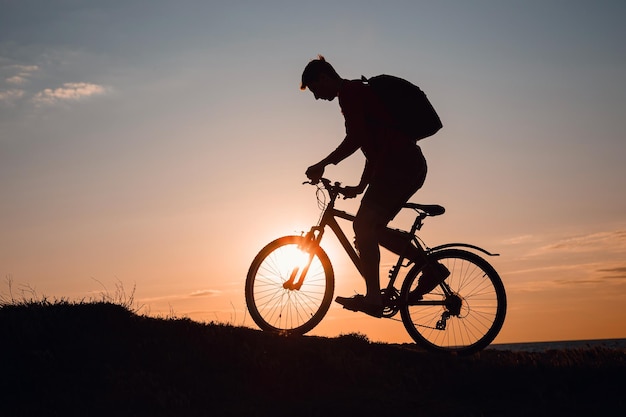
{"x":418,"y":223}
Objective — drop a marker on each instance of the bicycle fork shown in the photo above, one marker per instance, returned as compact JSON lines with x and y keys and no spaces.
{"x":298,"y":273}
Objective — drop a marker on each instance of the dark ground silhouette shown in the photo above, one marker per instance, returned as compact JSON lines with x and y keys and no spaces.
{"x":101,"y":359}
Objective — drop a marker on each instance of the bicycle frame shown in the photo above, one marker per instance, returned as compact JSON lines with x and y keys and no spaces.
{"x":329,"y":218}
{"x":314,"y":237}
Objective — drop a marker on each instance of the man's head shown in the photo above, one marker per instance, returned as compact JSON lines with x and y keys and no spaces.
{"x":321,"y":78}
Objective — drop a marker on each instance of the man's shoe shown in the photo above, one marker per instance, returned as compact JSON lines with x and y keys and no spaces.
{"x":432,"y":276}
{"x":359,"y":303}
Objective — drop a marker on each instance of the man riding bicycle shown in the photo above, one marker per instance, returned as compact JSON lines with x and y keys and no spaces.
{"x":395,"y":169}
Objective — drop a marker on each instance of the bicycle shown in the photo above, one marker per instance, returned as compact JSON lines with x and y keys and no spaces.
{"x":290,"y":284}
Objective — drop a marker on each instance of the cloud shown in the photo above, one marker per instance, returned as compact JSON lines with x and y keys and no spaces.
{"x":8,"y":96}
{"x":618,"y":272}
{"x":16,"y":80}
{"x":174,"y":297}
{"x":14,"y":75}
{"x":21,"y":73}
{"x":205,"y":293}
{"x":603,"y":241}
{"x":516,"y":240}
{"x":68,"y":92}
{"x":571,"y":274}
{"x":26,"y":68}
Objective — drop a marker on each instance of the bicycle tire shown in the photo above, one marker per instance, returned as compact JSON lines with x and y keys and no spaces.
{"x":288,"y":311}
{"x":481,"y":313}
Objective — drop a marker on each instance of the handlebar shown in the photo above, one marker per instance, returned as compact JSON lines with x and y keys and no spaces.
{"x":333,"y":189}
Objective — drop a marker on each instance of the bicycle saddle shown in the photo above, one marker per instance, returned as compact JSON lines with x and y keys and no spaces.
{"x":429,"y":209}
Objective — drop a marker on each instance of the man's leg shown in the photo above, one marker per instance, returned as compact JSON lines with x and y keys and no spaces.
{"x":367,"y":226}
{"x":399,"y":242}
{"x":383,"y":199}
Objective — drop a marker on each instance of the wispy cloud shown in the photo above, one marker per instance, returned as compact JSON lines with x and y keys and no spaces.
{"x":19,"y":74}
{"x":172,"y":297}
{"x":516,"y":240}
{"x":8,"y":96}
{"x":68,"y":92}
{"x":618,"y":272}
{"x":602,"y":241}
{"x":16,"y":78}
{"x":596,"y":277}
{"x":205,"y":293}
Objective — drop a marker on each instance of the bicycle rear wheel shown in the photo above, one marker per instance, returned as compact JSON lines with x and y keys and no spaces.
{"x":276,"y":306}
{"x":468,"y":317}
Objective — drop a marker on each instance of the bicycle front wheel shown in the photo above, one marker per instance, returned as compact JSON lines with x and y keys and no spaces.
{"x":279,"y":299}
{"x":462,"y":315}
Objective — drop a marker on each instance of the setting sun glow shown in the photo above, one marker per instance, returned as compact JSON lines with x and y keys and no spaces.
{"x":153,"y":148}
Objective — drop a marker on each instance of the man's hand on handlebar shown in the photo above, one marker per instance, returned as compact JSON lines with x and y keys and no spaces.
{"x":347,"y":192}
{"x":315,"y":172}
{"x":351,"y":192}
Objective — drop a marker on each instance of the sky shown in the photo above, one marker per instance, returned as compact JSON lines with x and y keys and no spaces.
{"x":149,"y":149}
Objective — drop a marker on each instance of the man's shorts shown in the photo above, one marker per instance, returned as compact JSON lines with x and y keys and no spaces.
{"x":393,"y":185}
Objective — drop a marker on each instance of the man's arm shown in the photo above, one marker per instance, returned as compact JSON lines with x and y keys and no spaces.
{"x":351,"y":192}
{"x":346,"y":148}
{"x":351,"y":101}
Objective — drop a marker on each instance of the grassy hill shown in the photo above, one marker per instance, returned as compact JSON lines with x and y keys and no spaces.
{"x":101,"y":359}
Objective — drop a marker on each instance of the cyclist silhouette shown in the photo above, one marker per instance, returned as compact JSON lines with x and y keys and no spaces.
{"x":395,"y":169}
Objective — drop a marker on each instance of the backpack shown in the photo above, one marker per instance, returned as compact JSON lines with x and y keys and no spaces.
{"x":408,"y":104}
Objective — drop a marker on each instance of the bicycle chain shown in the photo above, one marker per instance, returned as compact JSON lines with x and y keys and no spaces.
{"x":416,"y":325}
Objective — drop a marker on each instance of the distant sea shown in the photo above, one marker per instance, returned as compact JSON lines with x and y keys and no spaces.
{"x":572,"y":344}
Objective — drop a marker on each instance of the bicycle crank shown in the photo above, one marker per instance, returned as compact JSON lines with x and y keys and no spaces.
{"x":390,"y":300}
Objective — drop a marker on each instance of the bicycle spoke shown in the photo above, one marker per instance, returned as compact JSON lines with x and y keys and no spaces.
{"x":274,"y":302}
{"x":475,"y":287}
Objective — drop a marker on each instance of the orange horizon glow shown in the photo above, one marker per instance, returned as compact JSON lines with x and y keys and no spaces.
{"x":159,"y":146}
